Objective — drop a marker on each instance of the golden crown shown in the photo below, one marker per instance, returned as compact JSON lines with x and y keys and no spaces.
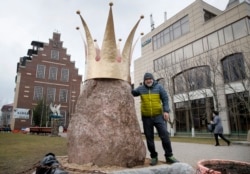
{"x":108,"y":62}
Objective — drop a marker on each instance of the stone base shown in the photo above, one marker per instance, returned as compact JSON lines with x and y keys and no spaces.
{"x":55,"y":125}
{"x":177,"y":168}
{"x":161,"y":168}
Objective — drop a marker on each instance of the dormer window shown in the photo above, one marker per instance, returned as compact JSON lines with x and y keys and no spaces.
{"x":208,"y":15}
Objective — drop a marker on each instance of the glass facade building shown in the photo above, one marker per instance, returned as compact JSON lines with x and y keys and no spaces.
{"x":202,"y":53}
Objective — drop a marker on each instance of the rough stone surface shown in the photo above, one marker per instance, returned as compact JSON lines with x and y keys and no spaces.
{"x":176,"y":168}
{"x":104,"y":129}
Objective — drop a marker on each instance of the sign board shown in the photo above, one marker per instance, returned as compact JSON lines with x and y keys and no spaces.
{"x":21,"y":113}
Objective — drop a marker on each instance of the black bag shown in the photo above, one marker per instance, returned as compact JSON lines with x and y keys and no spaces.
{"x":210,"y":127}
{"x":49,"y":165}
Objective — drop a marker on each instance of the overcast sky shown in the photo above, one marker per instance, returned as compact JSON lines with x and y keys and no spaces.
{"x":23,"y":21}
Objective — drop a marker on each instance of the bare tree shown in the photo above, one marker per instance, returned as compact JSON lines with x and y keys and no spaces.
{"x":209,"y":75}
{"x":180,"y":83}
{"x":233,"y":67}
{"x":186,"y":83}
{"x":236,"y":72}
{"x":179,"y":86}
{"x":165,"y":78}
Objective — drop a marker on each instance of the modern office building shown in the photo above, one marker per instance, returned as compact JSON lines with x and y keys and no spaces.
{"x":45,"y":75}
{"x":201,"y":56}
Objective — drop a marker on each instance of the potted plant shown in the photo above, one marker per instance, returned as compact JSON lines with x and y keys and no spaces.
{"x":220,"y":166}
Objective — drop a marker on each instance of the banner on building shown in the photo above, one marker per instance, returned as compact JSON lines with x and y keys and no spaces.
{"x":21,"y":113}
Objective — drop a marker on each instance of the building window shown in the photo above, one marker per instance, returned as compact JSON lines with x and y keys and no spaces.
{"x":55,"y":54}
{"x":178,"y":29}
{"x":157,"y":42}
{"x":65,"y":75}
{"x":239,"y":29}
{"x":179,"y":55}
{"x":208,"y":15}
{"x":205,"y":44}
{"x":38,"y":93}
{"x":201,"y":114}
{"x":157,"y":65}
{"x":63,"y":95}
{"x":213,"y":40}
{"x":53,"y":73}
{"x":188,"y":51}
{"x":228,"y":34}
{"x":184,"y":25}
{"x":178,"y":88}
{"x":162,"y":62}
{"x":221,"y":37}
{"x":192,"y":79}
{"x":51,"y":92}
{"x":239,"y":116}
{"x":198,"y":47}
{"x":168,"y":60}
{"x":166,"y":36}
{"x":40,"y":71}
{"x":233,"y":68}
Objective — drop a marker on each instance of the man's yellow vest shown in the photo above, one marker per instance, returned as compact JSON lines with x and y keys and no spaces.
{"x":151,"y":104}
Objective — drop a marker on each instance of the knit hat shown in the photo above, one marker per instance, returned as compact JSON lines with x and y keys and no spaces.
{"x":148,"y":76}
{"x":216,"y":112}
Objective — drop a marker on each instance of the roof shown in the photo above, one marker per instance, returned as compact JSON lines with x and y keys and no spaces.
{"x":7,"y":107}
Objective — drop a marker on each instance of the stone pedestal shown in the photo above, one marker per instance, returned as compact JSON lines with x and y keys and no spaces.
{"x":54,"y":127}
{"x":104,"y":129}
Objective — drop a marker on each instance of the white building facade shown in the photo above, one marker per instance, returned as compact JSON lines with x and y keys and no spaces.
{"x":202,"y":57}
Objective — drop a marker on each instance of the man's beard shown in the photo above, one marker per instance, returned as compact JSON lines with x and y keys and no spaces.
{"x":149,"y":84}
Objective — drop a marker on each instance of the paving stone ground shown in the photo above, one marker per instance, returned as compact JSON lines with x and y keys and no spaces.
{"x":191,"y":153}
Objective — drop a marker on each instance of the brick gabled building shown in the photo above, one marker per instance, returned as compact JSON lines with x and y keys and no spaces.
{"x":6,"y":113}
{"x":46,"y":74}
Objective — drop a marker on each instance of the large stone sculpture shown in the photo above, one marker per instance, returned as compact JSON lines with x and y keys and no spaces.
{"x":104,"y":129}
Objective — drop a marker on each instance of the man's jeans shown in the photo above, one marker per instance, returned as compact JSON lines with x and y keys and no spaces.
{"x":161,"y":127}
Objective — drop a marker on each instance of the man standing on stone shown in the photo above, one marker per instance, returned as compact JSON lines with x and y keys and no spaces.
{"x":155,"y":112}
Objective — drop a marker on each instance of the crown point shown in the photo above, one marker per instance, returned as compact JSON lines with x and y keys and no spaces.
{"x":77,"y":28}
{"x":111,"y":4}
{"x":114,"y":62}
{"x":78,"y":12}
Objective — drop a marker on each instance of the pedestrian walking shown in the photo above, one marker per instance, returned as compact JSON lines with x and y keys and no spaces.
{"x":155,"y":112}
{"x":218,"y":129}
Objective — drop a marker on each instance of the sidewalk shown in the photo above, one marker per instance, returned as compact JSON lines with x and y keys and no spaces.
{"x":191,"y":153}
